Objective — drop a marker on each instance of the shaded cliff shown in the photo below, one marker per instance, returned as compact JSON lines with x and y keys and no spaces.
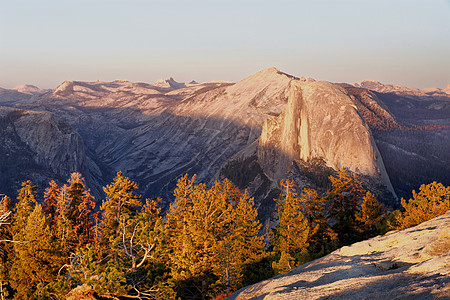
{"x":37,"y":146}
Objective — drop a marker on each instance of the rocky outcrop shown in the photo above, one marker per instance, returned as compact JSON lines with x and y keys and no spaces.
{"x":56,"y":145}
{"x":409,"y":264}
{"x":82,"y":292}
{"x":37,"y":146}
{"x":319,"y":121}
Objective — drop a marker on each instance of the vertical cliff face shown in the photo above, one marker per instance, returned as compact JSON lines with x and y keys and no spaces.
{"x":37,"y":146}
{"x":319,"y":121}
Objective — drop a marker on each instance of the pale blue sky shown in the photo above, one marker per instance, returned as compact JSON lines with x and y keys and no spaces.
{"x":44,"y":42}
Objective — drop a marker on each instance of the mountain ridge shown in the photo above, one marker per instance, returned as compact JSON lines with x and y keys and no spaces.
{"x":157,"y":134}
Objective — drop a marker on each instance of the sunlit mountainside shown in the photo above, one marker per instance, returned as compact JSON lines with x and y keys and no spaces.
{"x":155,"y":133}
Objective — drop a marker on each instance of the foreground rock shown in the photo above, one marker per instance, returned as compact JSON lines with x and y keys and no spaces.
{"x":409,"y":264}
{"x":82,"y":292}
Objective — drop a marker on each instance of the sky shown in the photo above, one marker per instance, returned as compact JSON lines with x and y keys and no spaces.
{"x":44,"y":42}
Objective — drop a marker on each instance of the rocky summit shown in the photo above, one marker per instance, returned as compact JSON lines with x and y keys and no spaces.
{"x":319,"y":121}
{"x":413,"y":263}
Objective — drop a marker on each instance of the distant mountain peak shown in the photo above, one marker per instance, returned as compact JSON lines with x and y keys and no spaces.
{"x":29,"y":89}
{"x":447,"y":89}
{"x":65,"y":87}
{"x":169,"y":83}
{"x":389,"y":88}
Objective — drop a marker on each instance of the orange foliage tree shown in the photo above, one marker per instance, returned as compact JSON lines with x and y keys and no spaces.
{"x":431,"y":201}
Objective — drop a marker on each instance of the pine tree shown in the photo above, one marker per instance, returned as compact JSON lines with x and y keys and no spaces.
{"x":121,"y":202}
{"x":241,"y":246}
{"x":50,"y":200}
{"x":33,"y":265}
{"x":6,"y":246}
{"x":179,"y":214}
{"x":291,"y":235}
{"x":322,"y":238}
{"x":64,"y":233}
{"x":285,"y":263}
{"x":211,"y":235}
{"x":6,"y":207}
{"x":86,"y":216}
{"x":431,"y":201}
{"x":24,"y":206}
{"x":79,"y":210}
{"x":138,"y":247}
{"x":345,"y":196}
{"x":371,"y":214}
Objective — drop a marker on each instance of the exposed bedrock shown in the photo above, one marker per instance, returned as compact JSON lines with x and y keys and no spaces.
{"x":319,"y":121}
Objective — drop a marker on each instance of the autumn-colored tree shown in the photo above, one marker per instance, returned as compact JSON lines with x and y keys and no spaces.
{"x":25,"y":205}
{"x":6,"y":245}
{"x":178,"y":238}
{"x":138,"y":248}
{"x":322,"y":238}
{"x":431,"y":201}
{"x":79,"y":210}
{"x":370,"y":215}
{"x":6,"y":207}
{"x":290,"y":237}
{"x":345,"y":196}
{"x":241,"y":243}
{"x":50,"y":200}
{"x":211,"y":234}
{"x":64,"y":233}
{"x":33,"y":265}
{"x":121,"y":202}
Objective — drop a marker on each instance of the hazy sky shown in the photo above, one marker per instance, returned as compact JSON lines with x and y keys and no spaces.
{"x":404,"y":42}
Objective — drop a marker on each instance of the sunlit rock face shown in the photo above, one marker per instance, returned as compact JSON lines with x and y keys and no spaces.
{"x":409,"y":264}
{"x":319,"y":121}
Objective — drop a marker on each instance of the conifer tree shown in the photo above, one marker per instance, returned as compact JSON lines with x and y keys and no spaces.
{"x":138,"y":248}
{"x":431,"y":201}
{"x":50,"y":200}
{"x":25,"y":205}
{"x":370,"y":215}
{"x":33,"y":265}
{"x":345,"y":196}
{"x":6,"y":207}
{"x":291,"y":235}
{"x":179,"y":214}
{"x":121,"y":202}
{"x":242,"y":244}
{"x":211,"y":235}
{"x":6,"y":246}
{"x":322,"y":238}
{"x":64,"y":233}
{"x":79,"y":210}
